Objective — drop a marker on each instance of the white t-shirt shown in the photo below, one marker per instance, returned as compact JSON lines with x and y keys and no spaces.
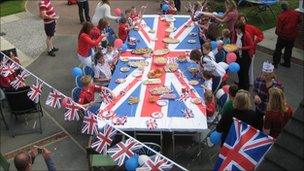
{"x":110,"y":56}
{"x":102,"y":71}
{"x":208,"y":84}
{"x":219,"y":71}
{"x":102,"y":11}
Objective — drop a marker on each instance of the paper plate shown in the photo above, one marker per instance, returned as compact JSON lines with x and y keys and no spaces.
{"x":191,"y":41}
{"x":157,"y":115}
{"x":161,"y":102}
{"x":124,"y":69}
{"x":193,"y":82}
{"x":137,"y":73}
{"x":193,"y":34}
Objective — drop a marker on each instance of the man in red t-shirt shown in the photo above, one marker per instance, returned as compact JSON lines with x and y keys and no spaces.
{"x":287,"y":31}
{"x":48,"y":14}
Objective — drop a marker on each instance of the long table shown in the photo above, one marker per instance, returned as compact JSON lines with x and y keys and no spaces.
{"x":173,"y":116}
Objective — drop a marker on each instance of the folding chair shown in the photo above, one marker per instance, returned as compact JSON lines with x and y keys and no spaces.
{"x":20,"y":104}
{"x":98,"y":161}
{"x":78,"y":82}
{"x":89,"y":71}
{"x":4,"y":164}
{"x":2,"y":97}
{"x":75,"y":94}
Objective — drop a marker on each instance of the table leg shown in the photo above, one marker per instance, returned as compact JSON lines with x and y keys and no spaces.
{"x":173,"y":145}
{"x":161,"y":140}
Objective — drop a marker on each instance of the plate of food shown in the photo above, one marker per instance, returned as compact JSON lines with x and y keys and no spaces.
{"x":169,"y":96}
{"x":193,"y":34}
{"x":157,"y":73}
{"x":138,"y":64}
{"x":120,"y":80}
{"x":196,"y":100}
{"x":133,"y":100}
{"x":141,"y":51}
{"x":124,"y":69}
{"x":160,"y":52}
{"x":191,"y":41}
{"x":230,"y":47}
{"x":124,"y":59}
{"x":171,"y":40}
{"x":160,"y":61}
{"x":182,"y":58}
{"x":171,"y":67}
{"x":152,"y":81}
{"x":160,"y":90}
{"x":157,"y":115}
{"x":193,"y":82}
{"x":137,"y":74}
{"x":161,"y":102}
{"x":193,"y":70}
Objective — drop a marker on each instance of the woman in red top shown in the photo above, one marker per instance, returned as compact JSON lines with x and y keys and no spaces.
{"x":245,"y":51}
{"x":86,"y":43}
{"x":278,"y":113}
{"x":123,"y":29}
{"x":257,"y":36}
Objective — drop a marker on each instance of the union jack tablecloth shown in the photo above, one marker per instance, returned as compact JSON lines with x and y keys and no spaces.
{"x":173,"y":117}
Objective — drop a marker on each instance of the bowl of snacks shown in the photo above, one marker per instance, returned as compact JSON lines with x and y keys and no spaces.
{"x":157,"y":73}
{"x":160,"y":61}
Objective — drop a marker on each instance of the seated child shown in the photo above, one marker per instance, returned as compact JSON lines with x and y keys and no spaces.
{"x":226,"y":36}
{"x":102,"y":69}
{"x":221,"y":53}
{"x":207,"y":52}
{"x":104,"y":27}
{"x":210,"y":106}
{"x":111,"y":55}
{"x":195,"y":56}
{"x":123,"y":29}
{"x":87,"y":96}
{"x":172,"y":8}
{"x":207,"y":76}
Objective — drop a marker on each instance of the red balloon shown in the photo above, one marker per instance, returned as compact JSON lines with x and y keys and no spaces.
{"x":226,"y":88}
{"x":117,"y":11}
{"x":118,"y":43}
{"x":65,"y":102}
{"x":231,"y":57}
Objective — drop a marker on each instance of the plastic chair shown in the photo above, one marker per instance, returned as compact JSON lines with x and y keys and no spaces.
{"x":4,"y":164}
{"x":20,"y":104}
{"x":78,"y":82}
{"x":75,"y":93}
{"x":217,"y":81}
{"x":89,"y":71}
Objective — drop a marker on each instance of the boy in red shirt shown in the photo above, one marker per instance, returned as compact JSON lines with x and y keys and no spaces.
{"x":89,"y":88}
{"x":123,"y":29}
{"x":210,"y":106}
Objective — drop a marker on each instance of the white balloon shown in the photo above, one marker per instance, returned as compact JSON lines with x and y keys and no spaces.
{"x":224,"y":65}
{"x":142,"y":159}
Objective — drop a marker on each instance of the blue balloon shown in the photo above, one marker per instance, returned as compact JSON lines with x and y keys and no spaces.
{"x":234,"y":67}
{"x":213,"y":45}
{"x":215,"y":137}
{"x":124,"y":47}
{"x":165,"y":7}
{"x":76,"y":71}
{"x":132,"y":163}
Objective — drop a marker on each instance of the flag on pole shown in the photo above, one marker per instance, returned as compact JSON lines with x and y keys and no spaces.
{"x":53,"y":99}
{"x":243,"y":149}
{"x":36,"y":90}
{"x":104,"y":138}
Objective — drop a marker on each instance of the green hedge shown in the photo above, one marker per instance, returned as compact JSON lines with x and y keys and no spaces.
{"x":9,"y":7}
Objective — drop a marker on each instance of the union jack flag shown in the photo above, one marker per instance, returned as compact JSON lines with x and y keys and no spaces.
{"x":123,"y":151}
{"x":72,"y":111}
{"x":106,"y":95}
{"x":188,"y":113}
{"x":151,"y":27}
{"x":244,"y":148}
{"x":36,"y":90}
{"x":90,"y":124}
{"x":19,"y":80}
{"x":53,"y":99}
{"x":157,"y":164}
{"x":8,"y":69}
{"x":151,"y":123}
{"x":104,"y":138}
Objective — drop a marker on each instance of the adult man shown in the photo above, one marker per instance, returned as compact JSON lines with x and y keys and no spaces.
{"x":287,"y":31}
{"x":48,"y":14}
{"x":23,"y":161}
{"x":83,"y":7}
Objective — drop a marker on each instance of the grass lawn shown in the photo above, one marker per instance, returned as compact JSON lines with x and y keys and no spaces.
{"x":11,"y":7}
{"x":267,"y":16}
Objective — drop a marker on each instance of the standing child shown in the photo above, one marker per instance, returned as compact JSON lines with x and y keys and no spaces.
{"x":226,"y":36}
{"x":123,"y":29}
{"x":210,"y":106}
{"x":102,"y":69}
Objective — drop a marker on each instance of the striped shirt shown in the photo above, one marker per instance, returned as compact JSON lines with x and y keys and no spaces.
{"x":45,"y":5}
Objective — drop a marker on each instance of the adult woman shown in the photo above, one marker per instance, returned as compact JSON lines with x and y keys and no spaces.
{"x":86,"y":43}
{"x":278,"y":112}
{"x":241,"y":110}
{"x":262,"y":84}
{"x":230,"y":16}
{"x":103,"y":10}
{"x":257,"y":36}
{"x":244,"y":42}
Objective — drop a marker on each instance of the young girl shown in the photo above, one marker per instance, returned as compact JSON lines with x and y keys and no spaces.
{"x":102,"y":69}
{"x":207,"y":76}
{"x":210,"y":106}
{"x":123,"y":29}
{"x":111,"y":55}
{"x":104,"y":28}
{"x":172,"y":8}
{"x":278,"y":113}
{"x":226,"y":36}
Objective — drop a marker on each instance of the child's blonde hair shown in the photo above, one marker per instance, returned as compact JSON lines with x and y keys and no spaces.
{"x":226,"y":33}
{"x":208,"y":96}
{"x":242,"y":100}
{"x":276,"y":100}
{"x":86,"y":80}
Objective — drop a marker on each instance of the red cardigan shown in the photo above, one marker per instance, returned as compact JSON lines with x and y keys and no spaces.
{"x":85,"y":43}
{"x":254,"y":33}
{"x":247,"y":43}
{"x":287,"y":24}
